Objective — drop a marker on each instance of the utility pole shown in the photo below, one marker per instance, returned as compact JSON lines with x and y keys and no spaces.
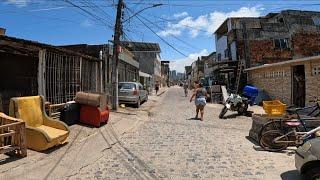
{"x":116,"y":51}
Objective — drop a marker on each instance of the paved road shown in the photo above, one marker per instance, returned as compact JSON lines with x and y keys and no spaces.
{"x":170,"y":145}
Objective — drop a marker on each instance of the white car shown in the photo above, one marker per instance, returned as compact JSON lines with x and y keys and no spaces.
{"x":132,"y":93}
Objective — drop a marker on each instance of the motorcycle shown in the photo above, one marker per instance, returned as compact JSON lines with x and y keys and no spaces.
{"x":235,"y":103}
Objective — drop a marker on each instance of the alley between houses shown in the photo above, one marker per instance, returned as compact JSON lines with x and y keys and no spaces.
{"x":162,"y":143}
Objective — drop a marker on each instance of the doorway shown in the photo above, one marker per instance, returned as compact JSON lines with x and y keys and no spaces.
{"x":298,"y":86}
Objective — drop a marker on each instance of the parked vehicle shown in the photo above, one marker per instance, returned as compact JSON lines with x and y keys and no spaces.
{"x":277,"y":135}
{"x":235,"y":103}
{"x":289,"y":134}
{"x":307,"y":159}
{"x":132,"y":93}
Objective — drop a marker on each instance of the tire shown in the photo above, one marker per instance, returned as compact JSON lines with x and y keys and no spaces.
{"x":138,"y":104}
{"x":243,"y":108}
{"x":223,"y":112}
{"x":272,"y":125}
{"x":313,"y":173}
{"x":268,"y":144}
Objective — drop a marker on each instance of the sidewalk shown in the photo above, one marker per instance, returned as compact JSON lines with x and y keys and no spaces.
{"x":85,"y":146}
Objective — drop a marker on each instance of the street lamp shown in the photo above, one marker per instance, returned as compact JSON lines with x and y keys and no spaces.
{"x":154,"y":5}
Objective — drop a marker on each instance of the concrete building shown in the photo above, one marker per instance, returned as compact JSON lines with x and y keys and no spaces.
{"x":276,"y":37}
{"x":208,"y":64}
{"x":148,"y":55}
{"x":165,"y":73}
{"x":293,"y":82}
{"x":2,"y":31}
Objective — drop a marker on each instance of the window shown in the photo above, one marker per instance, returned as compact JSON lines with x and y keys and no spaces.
{"x":126,"y":86}
{"x":219,"y":57}
{"x":226,"y":53}
{"x":281,"y":43}
{"x":316,"y":21}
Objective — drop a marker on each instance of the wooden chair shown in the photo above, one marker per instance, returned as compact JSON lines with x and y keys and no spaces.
{"x":12,"y":136}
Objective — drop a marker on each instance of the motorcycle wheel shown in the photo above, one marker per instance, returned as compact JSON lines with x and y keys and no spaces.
{"x":243,"y":108}
{"x":223,"y":112}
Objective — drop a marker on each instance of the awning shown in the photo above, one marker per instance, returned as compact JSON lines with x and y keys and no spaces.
{"x":144,"y":74}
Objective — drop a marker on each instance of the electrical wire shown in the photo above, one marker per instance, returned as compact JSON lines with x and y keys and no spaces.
{"x":166,"y":42}
{"x":91,"y":14}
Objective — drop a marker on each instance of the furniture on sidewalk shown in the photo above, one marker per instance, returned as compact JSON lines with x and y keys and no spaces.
{"x":216,"y":94}
{"x":12,"y":136}
{"x":94,"y":109}
{"x":70,"y":113}
{"x":42,"y":132}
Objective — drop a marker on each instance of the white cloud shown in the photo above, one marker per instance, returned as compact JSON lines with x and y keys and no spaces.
{"x":180,"y":15}
{"x":207,"y":22}
{"x":168,"y":32}
{"x":19,"y":3}
{"x":179,"y":64}
{"x":86,"y":23}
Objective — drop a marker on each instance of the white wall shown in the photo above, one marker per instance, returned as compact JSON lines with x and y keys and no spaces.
{"x":221,"y":46}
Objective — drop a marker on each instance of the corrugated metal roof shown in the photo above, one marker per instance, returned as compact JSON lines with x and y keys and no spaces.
{"x":141,"y":46}
{"x":285,"y":62}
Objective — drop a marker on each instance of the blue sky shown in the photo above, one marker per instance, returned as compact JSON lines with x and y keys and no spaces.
{"x":187,"y":25}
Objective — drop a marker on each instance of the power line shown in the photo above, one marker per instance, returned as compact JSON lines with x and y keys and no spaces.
{"x":92,"y":5}
{"x":166,"y":42}
{"x":89,"y":13}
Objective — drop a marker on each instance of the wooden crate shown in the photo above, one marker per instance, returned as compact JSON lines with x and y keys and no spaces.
{"x":12,"y":136}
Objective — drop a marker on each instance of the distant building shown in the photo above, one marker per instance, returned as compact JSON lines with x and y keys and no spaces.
{"x":148,"y":55}
{"x":173,"y":75}
{"x":165,"y":73}
{"x":273,"y":38}
{"x":2,"y":31}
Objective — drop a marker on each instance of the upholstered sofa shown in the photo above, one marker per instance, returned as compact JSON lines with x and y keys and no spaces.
{"x":42,"y":132}
{"x":94,"y":109}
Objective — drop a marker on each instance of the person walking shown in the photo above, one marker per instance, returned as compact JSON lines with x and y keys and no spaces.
{"x":200,"y":95}
{"x":185,"y":87}
{"x":157,"y":87}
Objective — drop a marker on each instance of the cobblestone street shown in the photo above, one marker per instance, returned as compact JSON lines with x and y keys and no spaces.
{"x":172,"y":146}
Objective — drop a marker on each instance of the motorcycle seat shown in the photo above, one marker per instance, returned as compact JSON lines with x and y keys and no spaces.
{"x":293,"y":123}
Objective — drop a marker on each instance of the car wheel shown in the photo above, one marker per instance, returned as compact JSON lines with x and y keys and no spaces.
{"x":138,"y":103}
{"x":313,"y":173}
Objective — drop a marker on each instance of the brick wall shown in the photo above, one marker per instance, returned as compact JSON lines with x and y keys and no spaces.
{"x":277,"y":80}
{"x":306,"y":44}
{"x":263,"y":52}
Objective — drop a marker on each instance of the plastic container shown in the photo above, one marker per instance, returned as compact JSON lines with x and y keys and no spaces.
{"x":251,"y":93}
{"x":274,"y":108}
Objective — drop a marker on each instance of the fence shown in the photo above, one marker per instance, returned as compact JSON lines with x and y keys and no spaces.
{"x":68,"y":74}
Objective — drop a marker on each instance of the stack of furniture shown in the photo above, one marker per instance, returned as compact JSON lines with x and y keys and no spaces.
{"x":70,"y":113}
{"x":93,"y":108}
{"x":42,"y":132}
{"x":12,"y":136}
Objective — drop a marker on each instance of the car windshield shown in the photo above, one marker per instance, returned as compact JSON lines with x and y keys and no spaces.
{"x":126,"y":86}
